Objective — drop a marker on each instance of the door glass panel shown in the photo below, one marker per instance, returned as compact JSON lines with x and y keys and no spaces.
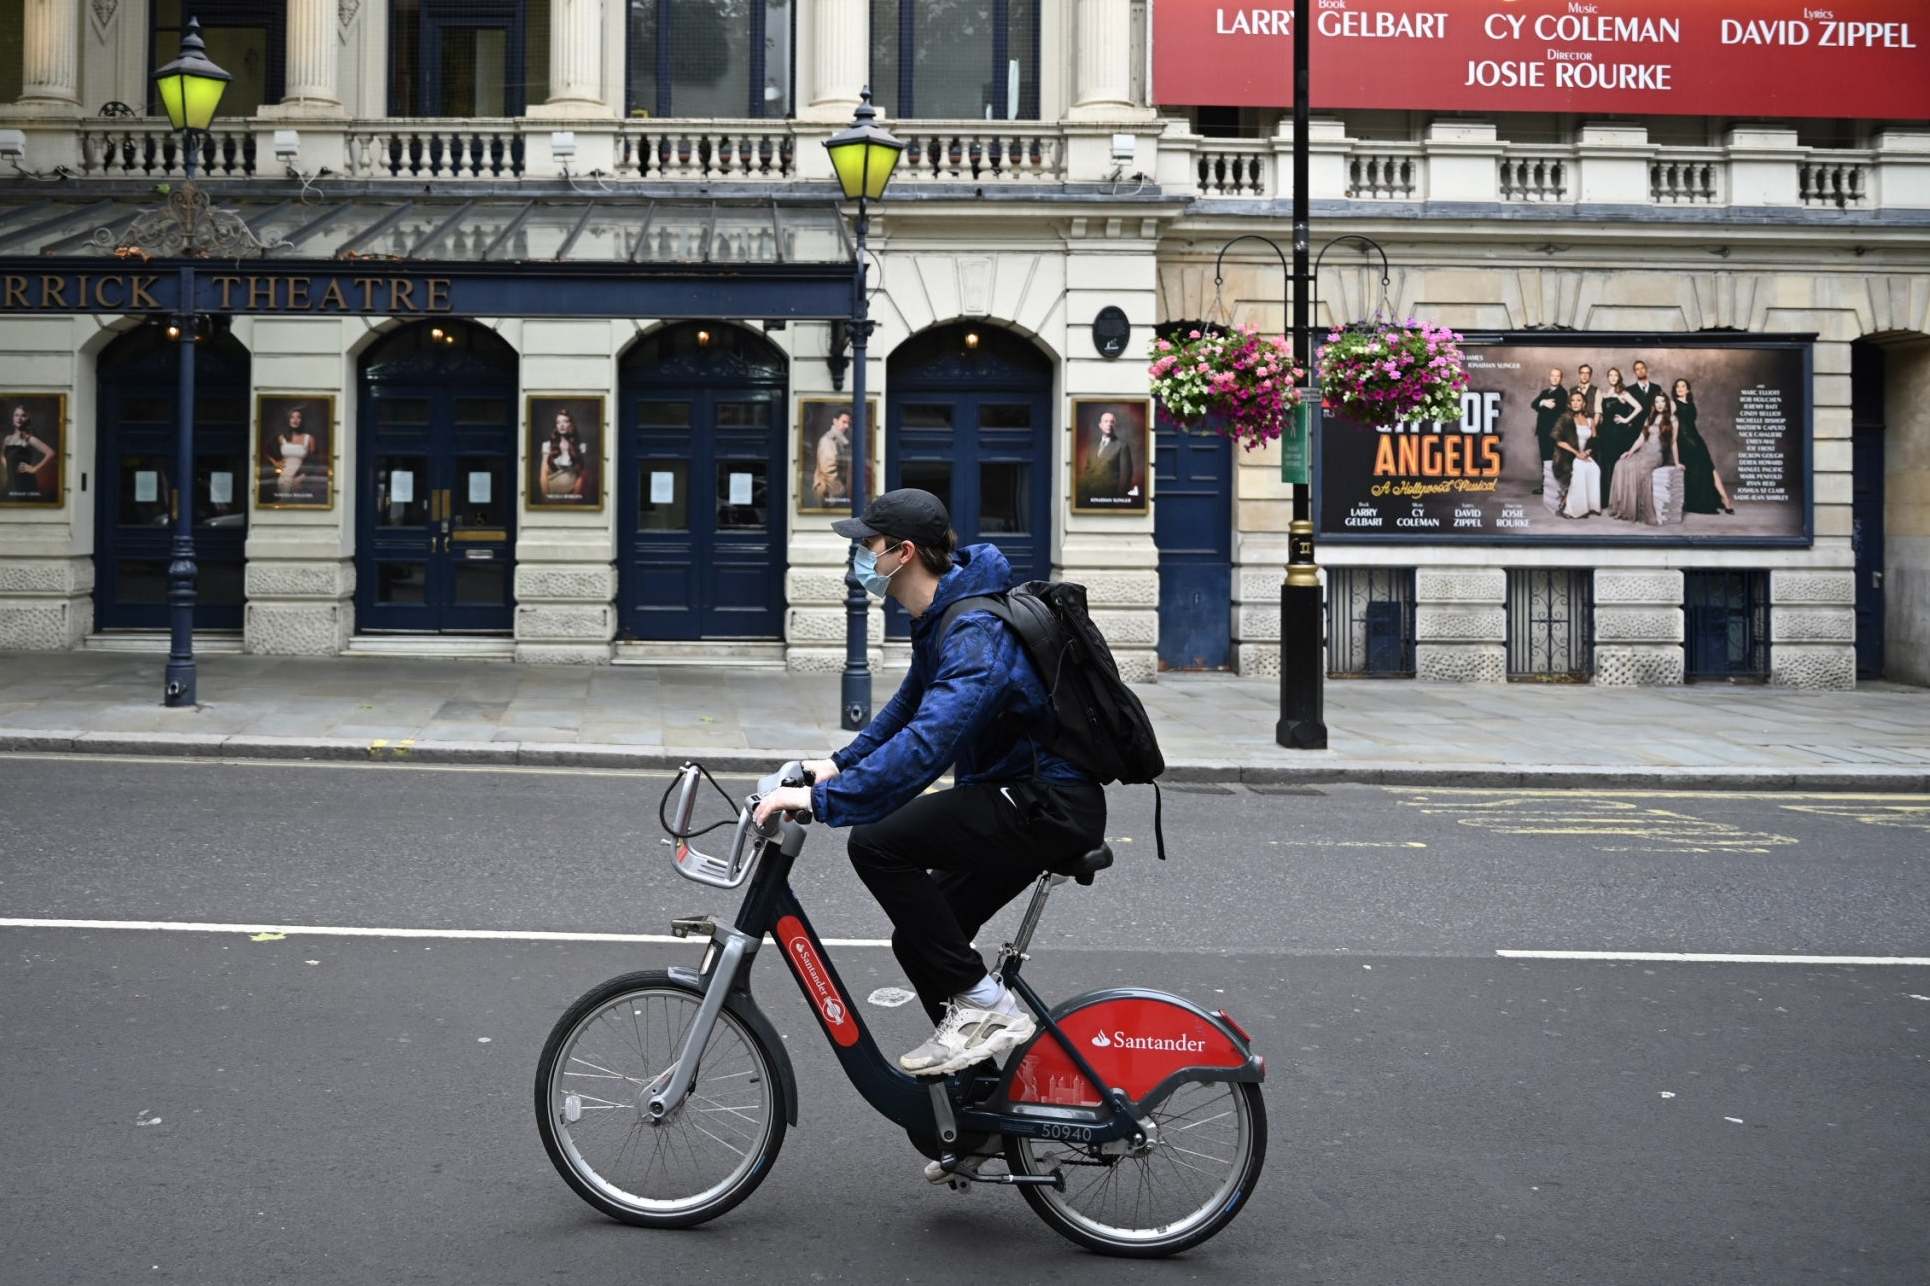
{"x":928,"y":417}
{"x":144,"y":491}
{"x":141,"y":582}
{"x":480,"y":582}
{"x":743,"y":415}
{"x":742,"y":501}
{"x":401,"y":412}
{"x":992,"y":415}
{"x":147,"y":408}
{"x":490,"y":411}
{"x":220,"y":408}
{"x":934,"y":476}
{"x":220,"y":495}
{"x":1004,"y":496}
{"x":475,"y":61}
{"x":665,"y":498}
{"x":480,"y":499}
{"x":401,"y":491}
{"x":664,"y":415}
{"x":402,"y":583}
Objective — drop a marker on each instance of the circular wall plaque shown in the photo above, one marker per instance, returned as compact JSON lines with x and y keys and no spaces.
{"x":1110,"y":331}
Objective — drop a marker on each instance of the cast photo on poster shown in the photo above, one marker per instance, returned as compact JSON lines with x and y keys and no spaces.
{"x":565,"y":450}
{"x":294,"y":451}
{"x":33,"y":449}
{"x":824,"y":453}
{"x":1609,"y":438}
{"x":1109,"y":455}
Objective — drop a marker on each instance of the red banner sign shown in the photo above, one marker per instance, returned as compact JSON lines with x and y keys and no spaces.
{"x":1845,"y":58}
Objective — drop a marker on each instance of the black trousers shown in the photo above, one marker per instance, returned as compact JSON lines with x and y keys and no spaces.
{"x":984,"y":849}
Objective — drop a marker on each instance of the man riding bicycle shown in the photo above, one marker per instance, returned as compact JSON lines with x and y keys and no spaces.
{"x":972,"y":702}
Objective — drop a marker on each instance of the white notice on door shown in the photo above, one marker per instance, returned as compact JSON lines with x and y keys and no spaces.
{"x":147,"y":486}
{"x":221,"y":488}
{"x":740,"y":488}
{"x":663,"y":488}
{"x":401,"y":486}
{"x":478,"y":487}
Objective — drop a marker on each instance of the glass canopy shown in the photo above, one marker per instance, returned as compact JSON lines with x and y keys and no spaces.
{"x":451,"y":230}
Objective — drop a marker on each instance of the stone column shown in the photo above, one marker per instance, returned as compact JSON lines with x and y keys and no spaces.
{"x":840,"y":58}
{"x":313,"y":59}
{"x":576,"y":55}
{"x":50,"y":59}
{"x":1102,"y":59}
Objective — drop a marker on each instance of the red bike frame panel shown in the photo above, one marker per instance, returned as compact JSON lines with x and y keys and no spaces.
{"x":812,"y":975}
{"x":1135,"y":1043}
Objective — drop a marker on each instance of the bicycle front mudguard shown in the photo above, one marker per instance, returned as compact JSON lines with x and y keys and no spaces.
{"x":739,"y":1002}
{"x":1145,"y":1043}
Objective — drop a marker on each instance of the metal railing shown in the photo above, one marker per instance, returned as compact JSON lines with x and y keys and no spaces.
{"x":1370,"y":622}
{"x":1726,"y":633}
{"x":1551,"y":624}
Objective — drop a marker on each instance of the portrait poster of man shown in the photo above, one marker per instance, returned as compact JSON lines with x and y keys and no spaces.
{"x":565,"y":451}
{"x":824,"y":454}
{"x":1590,"y":439}
{"x":294,"y":451}
{"x":33,"y":448}
{"x":1109,"y":449}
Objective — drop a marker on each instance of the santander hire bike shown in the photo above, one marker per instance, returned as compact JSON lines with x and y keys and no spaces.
{"x":1131,"y":1122}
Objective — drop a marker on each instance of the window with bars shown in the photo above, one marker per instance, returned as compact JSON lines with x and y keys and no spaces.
{"x":956,"y":59}
{"x":711,"y":58}
{"x":1551,"y":624}
{"x":246,"y":38}
{"x":1370,"y":622}
{"x":1726,"y":625}
{"x":468,"y":58}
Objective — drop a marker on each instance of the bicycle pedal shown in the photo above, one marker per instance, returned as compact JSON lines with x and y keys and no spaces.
{"x":685,"y":926}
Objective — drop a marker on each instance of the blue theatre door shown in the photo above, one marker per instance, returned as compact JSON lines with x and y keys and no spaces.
{"x":1193,"y":528}
{"x":701,"y":485}
{"x":968,"y":418}
{"x":436,"y":471}
{"x":135,"y":503}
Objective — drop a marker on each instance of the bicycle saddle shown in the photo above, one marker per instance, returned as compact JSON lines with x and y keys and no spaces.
{"x":1085,"y":867}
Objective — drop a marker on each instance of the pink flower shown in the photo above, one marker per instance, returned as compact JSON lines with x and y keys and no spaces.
{"x":1192,"y":334}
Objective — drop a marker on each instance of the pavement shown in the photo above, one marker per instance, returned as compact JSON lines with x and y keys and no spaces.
{"x":1212,"y":727}
{"x":288,"y":1014}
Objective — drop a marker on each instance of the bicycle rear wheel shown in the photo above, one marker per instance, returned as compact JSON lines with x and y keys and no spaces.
{"x":606,"y":1055}
{"x":1206,"y":1143}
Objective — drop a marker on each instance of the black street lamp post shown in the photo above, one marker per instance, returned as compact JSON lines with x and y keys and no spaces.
{"x":863,"y":157}
{"x":190,"y":88}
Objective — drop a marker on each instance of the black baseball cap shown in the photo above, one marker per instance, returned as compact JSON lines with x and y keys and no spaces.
{"x":904,"y":514}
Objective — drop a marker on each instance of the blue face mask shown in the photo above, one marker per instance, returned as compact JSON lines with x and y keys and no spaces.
{"x":865,"y":564}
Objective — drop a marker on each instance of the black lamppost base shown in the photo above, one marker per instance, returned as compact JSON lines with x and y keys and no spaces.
{"x":1303,"y":713}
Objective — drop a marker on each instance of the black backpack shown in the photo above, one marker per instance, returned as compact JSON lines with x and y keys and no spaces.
{"x":1102,"y":727}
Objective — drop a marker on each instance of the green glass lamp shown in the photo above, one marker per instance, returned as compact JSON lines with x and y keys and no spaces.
{"x":864,"y":155}
{"x":191,"y":86}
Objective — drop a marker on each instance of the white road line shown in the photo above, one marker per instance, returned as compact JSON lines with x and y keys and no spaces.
{"x":358,"y":931}
{"x":1701,"y":957}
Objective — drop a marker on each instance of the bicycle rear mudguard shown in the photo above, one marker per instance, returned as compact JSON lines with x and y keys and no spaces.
{"x":1145,"y":1043}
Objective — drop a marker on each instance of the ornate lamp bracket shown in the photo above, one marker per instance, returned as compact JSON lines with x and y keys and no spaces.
{"x":187,"y":226}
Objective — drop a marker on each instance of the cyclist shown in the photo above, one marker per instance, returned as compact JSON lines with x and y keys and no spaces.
{"x":974,"y":703}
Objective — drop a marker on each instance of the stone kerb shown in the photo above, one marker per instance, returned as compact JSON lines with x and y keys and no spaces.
{"x":1638,"y":627}
{"x":1812,"y":629}
{"x":1461,"y":624}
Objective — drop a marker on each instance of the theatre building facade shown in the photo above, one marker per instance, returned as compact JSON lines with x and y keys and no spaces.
{"x":422,"y":425}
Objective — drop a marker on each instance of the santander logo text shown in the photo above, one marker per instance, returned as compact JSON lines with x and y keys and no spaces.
{"x":1173,"y":1044}
{"x":810,"y":971}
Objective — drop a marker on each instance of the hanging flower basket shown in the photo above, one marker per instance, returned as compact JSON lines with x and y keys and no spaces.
{"x":1380,"y":373}
{"x":1235,"y":382}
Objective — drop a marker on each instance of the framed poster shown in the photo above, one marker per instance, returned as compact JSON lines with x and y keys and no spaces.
{"x":564,"y":446}
{"x":1109,"y":455}
{"x":33,"y":450}
{"x":824,"y":453}
{"x":1590,"y":439}
{"x":294,"y":451}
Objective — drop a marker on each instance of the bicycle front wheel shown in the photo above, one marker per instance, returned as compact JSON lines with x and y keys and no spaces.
{"x":1204,"y":1148}
{"x":607,"y":1055}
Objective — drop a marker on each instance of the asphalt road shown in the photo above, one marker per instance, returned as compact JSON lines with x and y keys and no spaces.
{"x":205,"y":1107}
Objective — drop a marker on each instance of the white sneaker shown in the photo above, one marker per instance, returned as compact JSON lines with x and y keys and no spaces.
{"x":969,"y":1033}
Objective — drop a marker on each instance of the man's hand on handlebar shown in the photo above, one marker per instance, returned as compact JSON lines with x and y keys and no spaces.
{"x":785,"y":799}
{"x":821,"y":769}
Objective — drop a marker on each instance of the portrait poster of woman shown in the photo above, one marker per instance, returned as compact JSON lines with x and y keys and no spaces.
{"x":33,"y":447}
{"x":294,"y":451}
{"x":565,"y":450}
{"x":1109,"y":456}
{"x":824,"y":453}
